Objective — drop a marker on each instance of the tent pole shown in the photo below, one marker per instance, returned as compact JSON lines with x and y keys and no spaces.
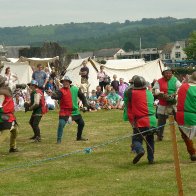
{"x":175,"y":153}
{"x":160,"y":65}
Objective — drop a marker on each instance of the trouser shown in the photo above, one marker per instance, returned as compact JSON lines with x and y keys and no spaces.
{"x":63,"y":121}
{"x":189,"y":143}
{"x":161,"y":121}
{"x":102,"y":85}
{"x":34,"y":122}
{"x":137,"y":141}
{"x":13,"y":128}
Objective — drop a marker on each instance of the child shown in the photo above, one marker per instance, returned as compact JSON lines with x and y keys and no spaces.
{"x":92,"y":101}
{"x":114,"y":100}
{"x":115,"y":83}
{"x":103,"y":102}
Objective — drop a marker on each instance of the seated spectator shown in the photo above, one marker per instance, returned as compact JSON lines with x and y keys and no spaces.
{"x":103,"y":102}
{"x":92,"y":101}
{"x":107,"y":89}
{"x":18,"y":103}
{"x":115,"y":83}
{"x":49,"y":101}
{"x":114,"y":100}
{"x":98,"y":91}
{"x":50,"y":85}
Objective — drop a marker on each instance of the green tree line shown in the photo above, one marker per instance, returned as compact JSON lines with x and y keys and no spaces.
{"x":94,"y":36}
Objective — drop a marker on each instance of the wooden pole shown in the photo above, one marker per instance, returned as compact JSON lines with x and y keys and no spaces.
{"x":160,"y":65}
{"x":175,"y":153}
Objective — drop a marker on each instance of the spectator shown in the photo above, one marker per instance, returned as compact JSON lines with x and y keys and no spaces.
{"x":101,"y":75}
{"x":49,"y":101}
{"x":18,"y":102}
{"x":40,"y":76}
{"x":115,"y":83}
{"x":10,"y":78}
{"x":50,"y":85}
{"x":47,"y":71}
{"x":107,"y":89}
{"x":122,"y":87}
{"x":103,"y":102}
{"x":84,"y":71}
{"x":93,"y":101}
{"x":114,"y":100}
{"x":98,"y":91}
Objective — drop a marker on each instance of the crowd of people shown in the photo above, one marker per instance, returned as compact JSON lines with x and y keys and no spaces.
{"x":146,"y":106}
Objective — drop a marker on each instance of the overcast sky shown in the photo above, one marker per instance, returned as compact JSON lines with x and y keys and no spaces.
{"x":36,"y":12}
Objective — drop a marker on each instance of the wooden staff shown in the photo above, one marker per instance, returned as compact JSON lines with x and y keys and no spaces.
{"x":160,"y":65}
{"x":176,"y":158}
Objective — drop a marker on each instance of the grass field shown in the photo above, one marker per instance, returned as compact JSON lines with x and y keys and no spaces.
{"x":107,"y":170}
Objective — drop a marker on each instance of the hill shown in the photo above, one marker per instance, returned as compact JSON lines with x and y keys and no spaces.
{"x":92,"y":36}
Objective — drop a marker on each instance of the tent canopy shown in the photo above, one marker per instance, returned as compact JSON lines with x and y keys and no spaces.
{"x":127,"y":68}
{"x":33,"y":62}
{"x":22,"y":70}
{"x":74,"y":69}
{"x":123,"y":68}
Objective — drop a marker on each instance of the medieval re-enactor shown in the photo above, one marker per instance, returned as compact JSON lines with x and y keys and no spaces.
{"x":7,"y":118}
{"x":140,"y":112}
{"x":68,"y":96}
{"x":186,"y":113}
{"x":165,"y":89}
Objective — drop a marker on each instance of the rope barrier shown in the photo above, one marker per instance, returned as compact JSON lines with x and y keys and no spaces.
{"x":85,"y":150}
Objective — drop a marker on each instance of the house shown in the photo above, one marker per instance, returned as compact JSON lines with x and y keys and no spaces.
{"x":14,"y":51}
{"x":173,"y":52}
{"x":109,"y":53}
{"x":148,"y":54}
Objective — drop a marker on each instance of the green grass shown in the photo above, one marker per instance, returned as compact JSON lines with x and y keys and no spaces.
{"x":108,"y":170}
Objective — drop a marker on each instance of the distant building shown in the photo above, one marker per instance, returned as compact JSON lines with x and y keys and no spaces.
{"x":148,"y":54}
{"x":106,"y":54}
{"x":14,"y":51}
{"x":173,"y":52}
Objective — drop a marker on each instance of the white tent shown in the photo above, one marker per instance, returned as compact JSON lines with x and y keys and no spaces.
{"x":123,"y":68}
{"x":33,"y":62}
{"x":127,"y":68}
{"x":74,"y":69}
{"x":22,"y":70}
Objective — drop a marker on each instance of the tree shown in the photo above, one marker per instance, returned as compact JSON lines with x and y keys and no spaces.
{"x":128,"y":46}
{"x":190,"y":50}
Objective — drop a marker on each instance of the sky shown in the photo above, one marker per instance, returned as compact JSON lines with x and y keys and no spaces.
{"x":44,"y":12}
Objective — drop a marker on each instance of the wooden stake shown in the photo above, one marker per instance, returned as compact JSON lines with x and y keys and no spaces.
{"x":176,"y":158}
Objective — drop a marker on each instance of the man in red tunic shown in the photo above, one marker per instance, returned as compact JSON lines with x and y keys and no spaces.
{"x":165,"y":89}
{"x":7,"y":118}
{"x":139,"y":110}
{"x":186,"y":114}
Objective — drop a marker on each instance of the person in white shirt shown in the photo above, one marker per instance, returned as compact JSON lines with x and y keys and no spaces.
{"x":18,"y":103}
{"x":49,"y":101}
